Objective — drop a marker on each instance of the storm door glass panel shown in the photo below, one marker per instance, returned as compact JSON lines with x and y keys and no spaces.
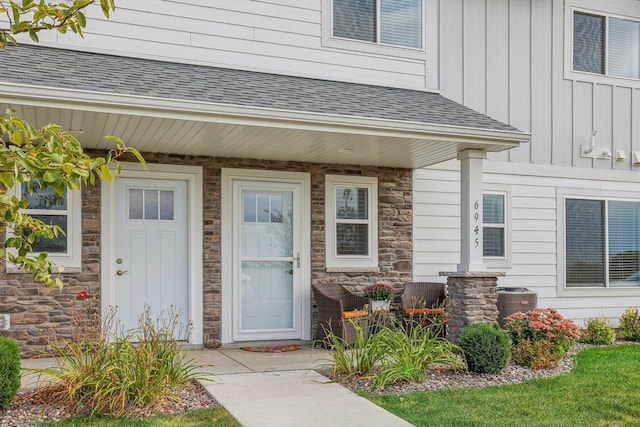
{"x":401,"y":22}
{"x":266,"y":288}
{"x":588,"y":43}
{"x":585,"y":243}
{"x":624,"y":243}
{"x":355,"y":19}
{"x":623,"y":53}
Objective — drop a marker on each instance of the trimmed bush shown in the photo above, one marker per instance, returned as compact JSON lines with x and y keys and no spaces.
{"x":9,"y":370}
{"x":599,"y":331}
{"x":486,"y":347}
{"x":630,"y":324}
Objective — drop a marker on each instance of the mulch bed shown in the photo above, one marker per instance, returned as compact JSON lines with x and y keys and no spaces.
{"x":30,"y":409}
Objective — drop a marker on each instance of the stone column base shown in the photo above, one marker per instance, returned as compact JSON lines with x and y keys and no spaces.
{"x":472,"y":297}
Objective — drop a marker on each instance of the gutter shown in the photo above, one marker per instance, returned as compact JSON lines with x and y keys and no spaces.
{"x":253,"y":116}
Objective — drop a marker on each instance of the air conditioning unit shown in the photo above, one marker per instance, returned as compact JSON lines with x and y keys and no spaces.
{"x":513,"y":300}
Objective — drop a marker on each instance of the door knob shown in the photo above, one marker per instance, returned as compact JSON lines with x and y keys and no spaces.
{"x":121,"y":272}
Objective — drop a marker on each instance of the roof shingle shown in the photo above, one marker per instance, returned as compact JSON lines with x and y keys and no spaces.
{"x":52,"y":67}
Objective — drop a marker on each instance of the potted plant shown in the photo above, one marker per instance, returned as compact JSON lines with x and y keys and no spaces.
{"x":380,"y":295}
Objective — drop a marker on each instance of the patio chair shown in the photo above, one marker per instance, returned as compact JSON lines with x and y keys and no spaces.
{"x":422,"y":300}
{"x":337,"y":309}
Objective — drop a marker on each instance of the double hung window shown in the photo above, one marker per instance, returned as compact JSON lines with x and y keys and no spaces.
{"x":352,"y":225}
{"x":63,"y":211}
{"x":602,"y":243}
{"x":494,"y":227}
{"x":607,"y":45}
{"x":387,"y":22}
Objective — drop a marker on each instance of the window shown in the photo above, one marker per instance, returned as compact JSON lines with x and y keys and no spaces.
{"x":606,"y":45}
{"x":151,"y":204}
{"x":602,"y":243}
{"x":388,"y":22}
{"x":494,"y":226}
{"x":63,"y":211}
{"x":352,"y":224}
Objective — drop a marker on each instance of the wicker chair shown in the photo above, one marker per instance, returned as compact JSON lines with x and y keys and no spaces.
{"x":423,"y":299}
{"x":333,"y":302}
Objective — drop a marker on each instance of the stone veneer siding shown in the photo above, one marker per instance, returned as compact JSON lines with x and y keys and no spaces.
{"x":472,"y":298}
{"x":38,"y":312}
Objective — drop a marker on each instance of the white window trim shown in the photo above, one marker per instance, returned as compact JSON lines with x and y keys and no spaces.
{"x":504,"y":261}
{"x":328,"y":40}
{"x":72,"y":260}
{"x":351,"y":262}
{"x":624,"y":10}
{"x":587,"y":194}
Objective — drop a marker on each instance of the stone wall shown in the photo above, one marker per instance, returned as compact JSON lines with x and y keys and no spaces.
{"x":38,"y":312}
{"x":472,"y":298}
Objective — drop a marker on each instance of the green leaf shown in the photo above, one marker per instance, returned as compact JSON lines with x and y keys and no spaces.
{"x":49,"y":177}
{"x":82,"y":20}
{"x":34,"y":35}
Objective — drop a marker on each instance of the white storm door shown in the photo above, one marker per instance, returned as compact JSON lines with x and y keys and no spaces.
{"x":266,"y":263}
{"x":151,"y":249}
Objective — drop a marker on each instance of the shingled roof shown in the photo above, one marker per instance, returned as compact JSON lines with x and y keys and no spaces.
{"x":58,"y":68}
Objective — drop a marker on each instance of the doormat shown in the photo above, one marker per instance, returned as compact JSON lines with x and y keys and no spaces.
{"x":272,"y":348}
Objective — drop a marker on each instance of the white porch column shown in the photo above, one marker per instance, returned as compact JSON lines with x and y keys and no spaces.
{"x":471,"y":258}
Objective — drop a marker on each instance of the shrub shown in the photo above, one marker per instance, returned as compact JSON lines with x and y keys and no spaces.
{"x":408,"y":350}
{"x":486,"y":347}
{"x":394,"y":352}
{"x":540,"y":354}
{"x":630,"y":324}
{"x":359,"y":358}
{"x":598,"y":330}
{"x":545,"y":331}
{"x":9,"y":370}
{"x":114,"y":372}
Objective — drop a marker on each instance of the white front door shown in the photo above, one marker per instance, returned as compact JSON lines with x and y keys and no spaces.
{"x":151,"y":248}
{"x":268,"y":295}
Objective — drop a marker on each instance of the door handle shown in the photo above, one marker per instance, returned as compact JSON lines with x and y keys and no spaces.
{"x":297,"y":260}
{"x":121,"y":272}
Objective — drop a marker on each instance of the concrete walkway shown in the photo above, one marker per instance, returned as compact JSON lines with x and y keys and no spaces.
{"x":278,"y":389}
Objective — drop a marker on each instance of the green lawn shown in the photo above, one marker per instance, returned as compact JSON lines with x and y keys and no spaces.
{"x":207,"y":417}
{"x":603,"y":390}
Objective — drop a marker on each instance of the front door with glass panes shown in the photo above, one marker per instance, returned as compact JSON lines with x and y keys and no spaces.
{"x":151,"y":249}
{"x":266,"y":260}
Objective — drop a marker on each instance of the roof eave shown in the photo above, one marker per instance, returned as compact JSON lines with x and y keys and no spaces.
{"x":257,"y":116}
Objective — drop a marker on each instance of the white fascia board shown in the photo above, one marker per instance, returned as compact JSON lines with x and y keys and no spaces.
{"x":255,"y":116}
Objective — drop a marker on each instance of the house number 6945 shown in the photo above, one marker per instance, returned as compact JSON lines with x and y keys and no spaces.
{"x":476,"y":229}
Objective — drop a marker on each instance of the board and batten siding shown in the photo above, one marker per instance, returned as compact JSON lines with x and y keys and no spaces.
{"x":508,"y":59}
{"x":278,"y":36}
{"x":534,"y":237}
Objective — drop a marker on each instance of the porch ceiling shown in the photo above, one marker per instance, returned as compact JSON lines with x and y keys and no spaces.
{"x":192,"y":110}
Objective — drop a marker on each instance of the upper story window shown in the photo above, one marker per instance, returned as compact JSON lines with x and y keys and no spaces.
{"x":602,"y":243}
{"x":351,"y":221}
{"x":606,"y":45}
{"x":388,"y":22}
